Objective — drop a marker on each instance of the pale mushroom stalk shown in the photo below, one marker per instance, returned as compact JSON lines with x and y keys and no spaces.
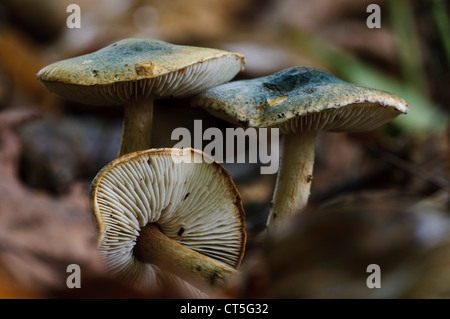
{"x":137,"y":125}
{"x":295,"y":175}
{"x":154,"y":247}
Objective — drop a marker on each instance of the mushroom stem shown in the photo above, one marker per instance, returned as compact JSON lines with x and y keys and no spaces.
{"x":137,"y":126}
{"x":294,"y":178}
{"x":154,"y":247}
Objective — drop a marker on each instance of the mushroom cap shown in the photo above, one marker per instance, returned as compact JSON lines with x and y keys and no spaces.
{"x":135,"y":67}
{"x":194,"y":203}
{"x":301,"y":98}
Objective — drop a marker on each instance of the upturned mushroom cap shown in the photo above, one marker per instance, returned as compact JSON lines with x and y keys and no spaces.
{"x":133,"y":68}
{"x":195,"y":204}
{"x":301,"y":99}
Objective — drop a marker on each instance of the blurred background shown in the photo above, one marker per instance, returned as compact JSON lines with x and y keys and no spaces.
{"x":379,"y":197}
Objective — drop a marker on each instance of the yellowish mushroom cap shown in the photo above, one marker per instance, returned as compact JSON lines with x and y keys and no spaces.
{"x":193,"y":202}
{"x":134,"y":68}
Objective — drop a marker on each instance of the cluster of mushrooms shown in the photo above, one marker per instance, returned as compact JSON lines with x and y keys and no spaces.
{"x":184,"y":219}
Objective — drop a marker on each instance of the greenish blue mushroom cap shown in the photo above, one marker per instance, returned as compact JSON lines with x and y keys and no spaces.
{"x":133,"y":68}
{"x":301,"y":99}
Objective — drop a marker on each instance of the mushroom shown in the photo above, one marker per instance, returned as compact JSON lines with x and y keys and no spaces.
{"x":299,"y":101}
{"x":168,"y":209}
{"x":134,"y":72}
